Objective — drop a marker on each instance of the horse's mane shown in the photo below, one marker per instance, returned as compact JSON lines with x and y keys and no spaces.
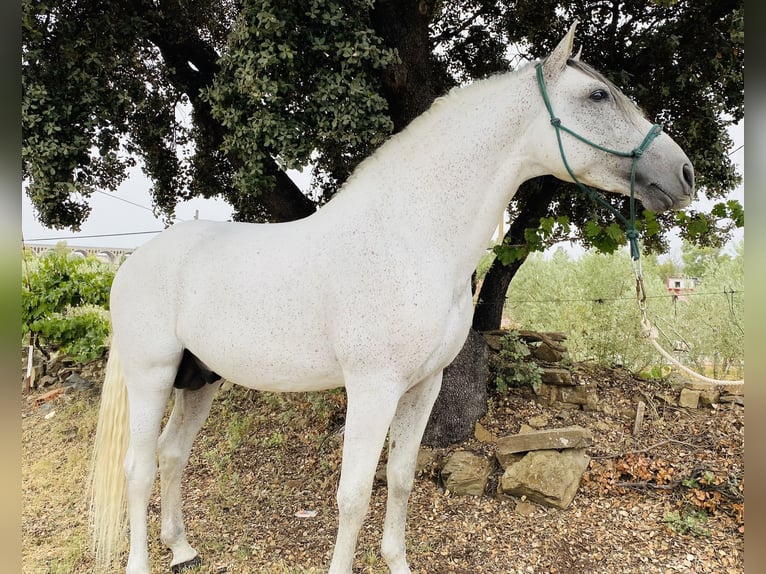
{"x":456,"y":95}
{"x":453,"y":98}
{"x":624,"y":104}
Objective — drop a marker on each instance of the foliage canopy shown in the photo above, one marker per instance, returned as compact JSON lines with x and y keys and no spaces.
{"x":271,"y":85}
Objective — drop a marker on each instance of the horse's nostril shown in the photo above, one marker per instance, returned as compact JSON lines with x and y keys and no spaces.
{"x":688,"y":171}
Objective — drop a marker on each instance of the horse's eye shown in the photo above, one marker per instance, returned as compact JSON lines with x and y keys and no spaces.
{"x":599,"y":95}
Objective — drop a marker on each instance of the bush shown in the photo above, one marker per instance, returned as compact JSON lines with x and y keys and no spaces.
{"x":512,"y":366}
{"x":64,"y":302}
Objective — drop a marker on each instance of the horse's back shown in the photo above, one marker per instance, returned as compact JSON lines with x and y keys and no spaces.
{"x":247,"y":299}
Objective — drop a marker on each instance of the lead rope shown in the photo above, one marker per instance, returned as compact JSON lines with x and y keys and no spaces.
{"x":635,"y":154}
{"x":648,"y":331}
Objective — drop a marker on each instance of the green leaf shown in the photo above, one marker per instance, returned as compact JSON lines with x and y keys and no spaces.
{"x":651,"y":225}
{"x":614,"y":232}
{"x":697,"y":226}
{"x":592,"y":229}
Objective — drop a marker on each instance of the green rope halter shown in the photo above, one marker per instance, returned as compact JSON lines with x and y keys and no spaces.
{"x":636,"y":153}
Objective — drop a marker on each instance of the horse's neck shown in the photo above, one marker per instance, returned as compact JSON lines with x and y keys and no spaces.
{"x":447,"y":179}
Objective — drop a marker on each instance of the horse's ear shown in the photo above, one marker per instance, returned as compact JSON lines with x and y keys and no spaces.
{"x":578,"y":55}
{"x":555,"y":63}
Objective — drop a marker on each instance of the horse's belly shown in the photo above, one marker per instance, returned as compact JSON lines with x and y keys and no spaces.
{"x":282,"y":378}
{"x":263,"y":348}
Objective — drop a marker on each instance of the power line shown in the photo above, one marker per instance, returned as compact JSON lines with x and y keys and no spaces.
{"x":91,"y":236}
{"x":113,"y":196}
{"x":609,"y":299}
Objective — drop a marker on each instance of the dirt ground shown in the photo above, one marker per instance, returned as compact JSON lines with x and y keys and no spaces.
{"x":670,"y":500}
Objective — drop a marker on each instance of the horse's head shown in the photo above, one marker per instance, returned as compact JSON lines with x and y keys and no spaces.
{"x":588,"y":105}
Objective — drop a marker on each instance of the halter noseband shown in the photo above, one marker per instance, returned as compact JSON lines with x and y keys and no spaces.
{"x":636,"y":153}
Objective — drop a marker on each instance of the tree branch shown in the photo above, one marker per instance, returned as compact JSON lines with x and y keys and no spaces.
{"x":181,"y":44}
{"x":489,"y":309}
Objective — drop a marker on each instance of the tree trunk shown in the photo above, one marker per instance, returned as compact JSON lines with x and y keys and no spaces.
{"x":488,"y":313}
{"x":463,"y":397}
{"x":408,"y":86}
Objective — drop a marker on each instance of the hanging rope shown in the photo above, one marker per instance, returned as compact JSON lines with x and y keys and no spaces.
{"x":651,"y":333}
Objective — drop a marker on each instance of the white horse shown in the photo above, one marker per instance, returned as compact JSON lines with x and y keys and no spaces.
{"x":372,"y":293}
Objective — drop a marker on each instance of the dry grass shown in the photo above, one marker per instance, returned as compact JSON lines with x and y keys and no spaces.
{"x":262,"y":457}
{"x":56,"y":456}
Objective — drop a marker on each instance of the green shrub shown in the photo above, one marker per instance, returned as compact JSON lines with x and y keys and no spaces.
{"x":512,"y":365}
{"x":64,"y":302}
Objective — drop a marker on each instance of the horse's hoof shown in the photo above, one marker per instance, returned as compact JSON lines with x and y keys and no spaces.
{"x":183,"y":566}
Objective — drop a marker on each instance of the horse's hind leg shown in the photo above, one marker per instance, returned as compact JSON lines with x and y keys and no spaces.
{"x":147,"y":400}
{"x":404,"y":440}
{"x":190,"y":410}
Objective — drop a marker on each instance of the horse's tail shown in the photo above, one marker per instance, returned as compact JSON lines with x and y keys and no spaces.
{"x":108,"y":501}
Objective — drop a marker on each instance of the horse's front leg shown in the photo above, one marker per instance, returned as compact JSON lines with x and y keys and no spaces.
{"x":190,"y":410}
{"x":371,"y":405}
{"x":405,"y":435}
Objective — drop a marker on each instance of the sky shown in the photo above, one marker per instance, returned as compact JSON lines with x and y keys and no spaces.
{"x":124,"y":218}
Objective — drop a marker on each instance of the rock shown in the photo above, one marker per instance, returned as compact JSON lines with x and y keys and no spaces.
{"x":538,"y":421}
{"x":524,"y":508}
{"x":545,"y":352}
{"x":548,"y":477}
{"x":482,"y":434}
{"x":737,"y":400}
{"x":563,"y":438}
{"x":466,"y":473}
{"x":733,"y":390}
{"x":579,"y":395}
{"x":601,"y":426}
{"x":77,"y":383}
{"x":710,"y":393}
{"x":689,"y":398}
{"x":426,"y":460}
{"x":710,"y":397}
{"x":46,"y":410}
{"x":493,"y":339}
{"x":556,"y":376}
{"x":547,"y":394}
{"x":713,"y":393}
{"x":46,"y":381}
{"x":563,"y":414}
{"x":553,"y":340}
